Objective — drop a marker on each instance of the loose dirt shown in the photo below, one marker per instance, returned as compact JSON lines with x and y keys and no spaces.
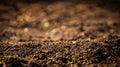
{"x":58,"y":34}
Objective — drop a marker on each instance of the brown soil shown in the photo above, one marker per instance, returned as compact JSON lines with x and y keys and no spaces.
{"x":57,"y":34}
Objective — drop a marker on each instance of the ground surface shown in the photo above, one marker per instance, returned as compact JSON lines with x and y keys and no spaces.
{"x":58,"y":34}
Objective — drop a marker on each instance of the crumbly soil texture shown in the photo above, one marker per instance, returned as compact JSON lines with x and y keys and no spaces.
{"x":59,"y":34}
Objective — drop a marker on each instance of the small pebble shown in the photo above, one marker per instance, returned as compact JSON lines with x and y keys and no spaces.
{"x":74,"y":42}
{"x":26,"y":30}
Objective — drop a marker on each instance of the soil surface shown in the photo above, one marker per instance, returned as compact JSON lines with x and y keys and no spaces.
{"x":59,"y":34}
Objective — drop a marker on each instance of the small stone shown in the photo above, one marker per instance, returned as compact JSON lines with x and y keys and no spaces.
{"x":26,"y":30}
{"x":84,"y":63}
{"x":74,"y":42}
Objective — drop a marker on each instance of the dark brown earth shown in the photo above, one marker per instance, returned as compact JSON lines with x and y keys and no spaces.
{"x":59,"y":34}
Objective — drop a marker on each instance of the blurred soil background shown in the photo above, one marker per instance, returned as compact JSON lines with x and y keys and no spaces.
{"x":57,"y":33}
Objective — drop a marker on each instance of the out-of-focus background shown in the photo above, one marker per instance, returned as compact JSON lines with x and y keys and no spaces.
{"x":57,"y":19}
